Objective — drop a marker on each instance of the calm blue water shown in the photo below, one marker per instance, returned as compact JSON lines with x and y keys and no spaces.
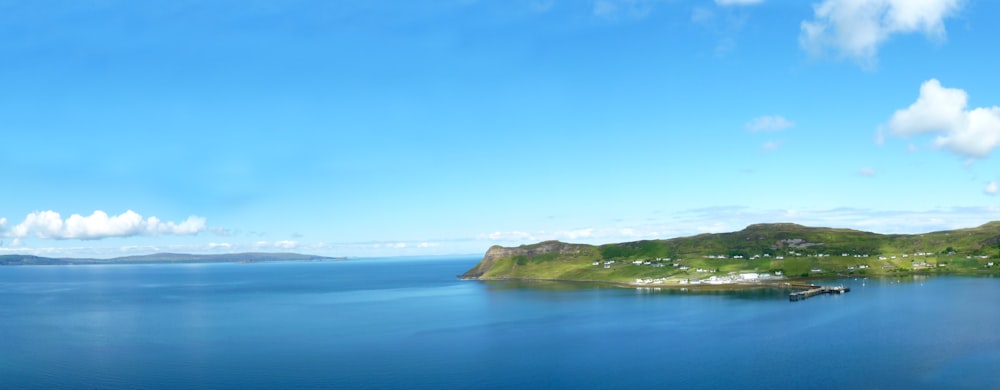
{"x":405,"y":323}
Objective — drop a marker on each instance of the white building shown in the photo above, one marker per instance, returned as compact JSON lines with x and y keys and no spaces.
{"x":750,"y":276}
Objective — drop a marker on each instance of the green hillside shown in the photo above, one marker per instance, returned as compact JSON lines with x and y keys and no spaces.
{"x":789,"y":249}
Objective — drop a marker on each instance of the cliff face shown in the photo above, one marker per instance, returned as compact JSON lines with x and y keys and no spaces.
{"x":498,"y":252}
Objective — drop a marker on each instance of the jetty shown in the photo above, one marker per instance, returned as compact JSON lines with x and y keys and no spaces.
{"x":812,"y":290}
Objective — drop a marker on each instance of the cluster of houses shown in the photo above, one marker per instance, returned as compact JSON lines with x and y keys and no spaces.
{"x":780,"y":257}
{"x":655,"y":263}
{"x":607,"y":263}
{"x":733,"y":277}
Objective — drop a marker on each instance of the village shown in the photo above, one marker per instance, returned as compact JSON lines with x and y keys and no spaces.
{"x":685,"y":273}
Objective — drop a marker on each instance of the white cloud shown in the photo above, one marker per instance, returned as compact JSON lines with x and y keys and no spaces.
{"x":991,"y":188}
{"x":702,"y":15}
{"x":768,"y":123}
{"x":605,"y":8}
{"x":428,"y":245}
{"x":770,"y":146}
{"x":541,"y":5}
{"x":867,"y":171}
{"x":943,"y":111}
{"x":218,"y":245}
{"x":49,"y":224}
{"x":574,"y":234}
{"x":738,"y":2}
{"x":856,"y":28}
{"x":613,"y":9}
{"x":717,"y":227}
{"x":879,"y":137}
{"x":286,"y":244}
{"x":506,"y":236}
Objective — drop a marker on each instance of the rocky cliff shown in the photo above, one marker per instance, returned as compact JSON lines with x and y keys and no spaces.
{"x":499,"y":252}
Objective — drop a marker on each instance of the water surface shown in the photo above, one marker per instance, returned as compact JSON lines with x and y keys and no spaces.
{"x":404,"y":323}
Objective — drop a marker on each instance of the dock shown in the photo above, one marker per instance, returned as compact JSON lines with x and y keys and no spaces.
{"x":814,"y":290}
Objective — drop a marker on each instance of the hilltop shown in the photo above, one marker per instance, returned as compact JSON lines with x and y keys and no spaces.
{"x":161,"y":258}
{"x":782,"y":249}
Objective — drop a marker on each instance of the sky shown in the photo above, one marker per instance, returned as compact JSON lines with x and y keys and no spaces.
{"x":387,"y":128}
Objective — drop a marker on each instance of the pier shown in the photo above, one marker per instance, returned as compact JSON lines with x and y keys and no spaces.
{"x":814,"y":290}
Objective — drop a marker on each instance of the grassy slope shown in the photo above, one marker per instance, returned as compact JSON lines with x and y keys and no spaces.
{"x":761,"y":239}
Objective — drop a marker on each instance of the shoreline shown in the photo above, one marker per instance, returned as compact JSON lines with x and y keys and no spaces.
{"x":799,"y":283}
{"x":787,"y":284}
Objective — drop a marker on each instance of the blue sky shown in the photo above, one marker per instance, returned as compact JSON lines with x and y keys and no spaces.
{"x":380,"y":128}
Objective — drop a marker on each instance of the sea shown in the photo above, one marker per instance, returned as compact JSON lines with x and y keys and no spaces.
{"x":403,"y":323}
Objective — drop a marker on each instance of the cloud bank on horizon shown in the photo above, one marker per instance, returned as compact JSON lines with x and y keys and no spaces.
{"x":51,"y":225}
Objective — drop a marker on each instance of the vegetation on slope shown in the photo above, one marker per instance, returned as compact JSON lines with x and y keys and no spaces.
{"x":793,"y":250}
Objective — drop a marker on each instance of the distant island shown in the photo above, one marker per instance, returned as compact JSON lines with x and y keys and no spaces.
{"x":166,"y":258}
{"x":758,"y":254}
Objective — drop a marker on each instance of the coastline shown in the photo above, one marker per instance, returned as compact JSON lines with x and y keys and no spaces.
{"x":798,"y":283}
{"x":792,"y":284}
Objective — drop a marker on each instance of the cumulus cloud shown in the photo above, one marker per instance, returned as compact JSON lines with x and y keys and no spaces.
{"x":50,"y":224}
{"x":856,"y":28}
{"x":991,"y":188}
{"x":943,"y":111}
{"x":738,"y":2}
{"x":768,"y":123}
{"x":867,"y":171}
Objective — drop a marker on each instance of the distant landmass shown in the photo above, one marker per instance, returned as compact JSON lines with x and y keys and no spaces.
{"x":757,"y":253}
{"x":162,"y":258}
